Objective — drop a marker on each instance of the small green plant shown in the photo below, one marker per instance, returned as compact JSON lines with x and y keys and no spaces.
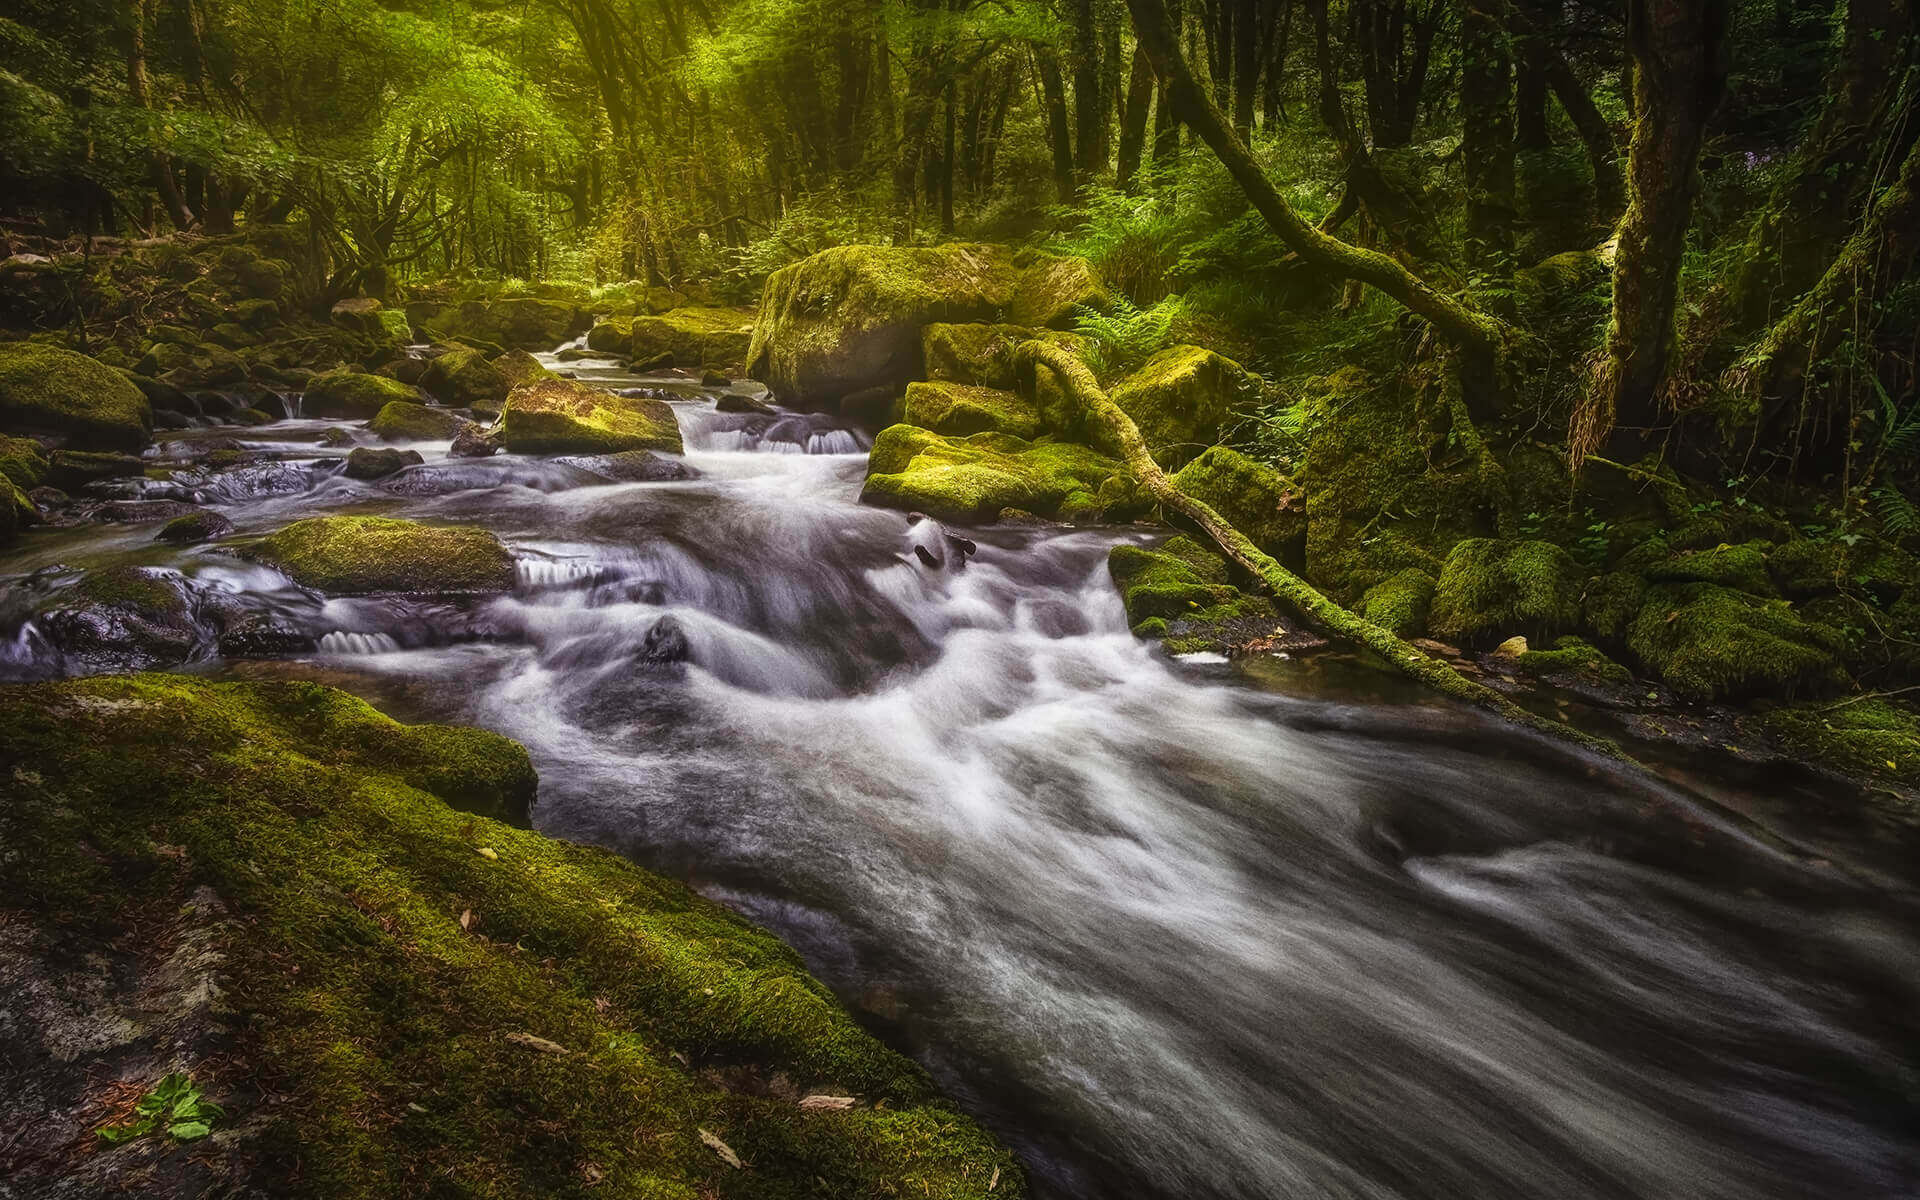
{"x":174,"y":1103}
{"x":1122,"y":339}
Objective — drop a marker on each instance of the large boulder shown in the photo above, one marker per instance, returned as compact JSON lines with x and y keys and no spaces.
{"x":981,"y":353}
{"x":1253,"y":497}
{"x":464,"y":378}
{"x":351,"y":556}
{"x":963,"y":408}
{"x":354,"y":394}
{"x":1180,"y":586}
{"x":405,"y":421}
{"x":563,"y":416}
{"x":1492,"y":589}
{"x":1181,"y":398}
{"x":689,"y":337}
{"x":981,"y":477}
{"x":843,"y":327}
{"x":44,"y":389}
{"x":1709,"y":642}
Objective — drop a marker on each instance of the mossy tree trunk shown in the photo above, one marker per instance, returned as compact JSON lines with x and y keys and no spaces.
{"x":1456,"y":320}
{"x":1486,"y":112}
{"x":1115,"y":428}
{"x":1679,"y":72}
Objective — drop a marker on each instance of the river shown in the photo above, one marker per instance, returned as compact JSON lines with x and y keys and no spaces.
{"x":1172,"y":928}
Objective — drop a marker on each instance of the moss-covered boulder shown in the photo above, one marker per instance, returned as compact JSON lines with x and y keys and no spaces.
{"x":405,"y":421}
{"x":122,"y":618}
{"x":1742,"y":567}
{"x":463,"y":378}
{"x":982,"y":353}
{"x":1400,"y":603}
{"x":1180,"y":587}
{"x":24,"y":461}
{"x":518,"y":367}
{"x":1868,"y":737}
{"x":961,"y":408}
{"x":1575,"y":658}
{"x":1181,"y":399}
{"x":350,"y":556}
{"x":44,"y":389}
{"x":205,"y":525}
{"x":562,"y":416}
{"x":685,"y":337}
{"x":355,"y":395}
{"x":416,"y":997}
{"x":525,"y":322}
{"x":845,"y":324}
{"x":365,"y":462}
{"x":1253,"y":497}
{"x":1709,"y":642}
{"x":1492,"y":589}
{"x":979,"y":477}
{"x":17,"y":511}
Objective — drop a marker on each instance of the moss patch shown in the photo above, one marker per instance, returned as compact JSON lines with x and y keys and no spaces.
{"x":692,"y":336}
{"x":464,"y":378}
{"x":961,"y":409}
{"x":1868,"y":737}
{"x":976,"y":478}
{"x":565,"y":1039}
{"x":405,"y":421}
{"x":354,"y":394}
{"x":1181,"y":398}
{"x":1709,"y":642}
{"x":1743,"y":568}
{"x":981,"y":353}
{"x":561,"y":416}
{"x":1400,"y":603}
{"x":1573,"y":656}
{"x":45,"y":389}
{"x":1182,"y":592}
{"x":349,"y":556}
{"x":1491,"y":588}
{"x":1253,"y":497}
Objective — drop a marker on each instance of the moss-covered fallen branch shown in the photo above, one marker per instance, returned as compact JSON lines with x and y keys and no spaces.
{"x":1113,"y":427}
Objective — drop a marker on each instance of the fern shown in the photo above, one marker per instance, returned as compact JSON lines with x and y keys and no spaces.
{"x":1122,"y":339}
{"x":1898,"y":515}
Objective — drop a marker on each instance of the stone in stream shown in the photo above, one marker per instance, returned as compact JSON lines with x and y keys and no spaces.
{"x":122,"y":619}
{"x":562,"y":416}
{"x":733,"y":402}
{"x":473,"y":442}
{"x":405,"y":421}
{"x":44,"y":389}
{"x":201,"y":525}
{"x":352,"y":556}
{"x":368,"y":463}
{"x":353,"y":394}
{"x":142,"y":512}
{"x":463,"y":378}
{"x":72,"y":470}
{"x":665,"y":643}
{"x":631,"y":466}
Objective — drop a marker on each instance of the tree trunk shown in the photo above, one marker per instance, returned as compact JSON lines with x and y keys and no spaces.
{"x":1679,"y":71}
{"x":1456,"y":321}
{"x":1246,"y":67}
{"x":1059,"y":138}
{"x":1133,"y":125}
{"x":1530,"y":129}
{"x":1089,"y":98}
{"x":1486,"y":112}
{"x":159,"y":165}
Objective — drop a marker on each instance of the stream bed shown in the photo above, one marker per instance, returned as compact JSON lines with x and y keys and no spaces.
{"x":1171,"y":928}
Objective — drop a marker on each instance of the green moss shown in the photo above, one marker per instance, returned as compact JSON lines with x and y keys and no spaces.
{"x":45,"y":389}
{"x":1574,"y":656}
{"x":1400,"y":603}
{"x":23,"y":460}
{"x":561,"y":416}
{"x":982,"y":354}
{"x":16,"y":512}
{"x":975,"y":478}
{"x":134,"y":588}
{"x":1866,"y":737}
{"x":692,"y":336}
{"x":1181,"y":398}
{"x":464,"y":378}
{"x":518,"y":367}
{"x":527,"y":323}
{"x":1709,"y":642}
{"x":354,"y":394}
{"x":1181,"y":588}
{"x":961,"y":409}
{"x":1803,"y":568}
{"x":1743,"y":568}
{"x":1491,"y":588}
{"x":384,"y":1026}
{"x":357,"y":555}
{"x":405,"y":421}
{"x":1253,"y":497}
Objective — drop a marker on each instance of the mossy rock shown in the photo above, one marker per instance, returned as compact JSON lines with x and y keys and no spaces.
{"x":203,"y":526}
{"x":23,"y":460}
{"x":976,"y":478}
{"x":350,"y":556}
{"x":1709,"y":642}
{"x":525,"y":323}
{"x":44,"y":389}
{"x":1401,"y":603}
{"x":356,"y":395}
{"x":429,"y":993}
{"x":1253,"y":497}
{"x":1178,"y":588}
{"x":463,"y":378}
{"x":1610,"y":602}
{"x":122,"y":618}
{"x":961,"y":409}
{"x":518,"y":367}
{"x":365,"y":462}
{"x":1803,"y":568}
{"x":1181,"y":399}
{"x":1743,"y":568}
{"x":982,"y":354}
{"x":1866,"y":737}
{"x":562,"y":416}
{"x":71,"y":470}
{"x":405,"y":421}
{"x":1492,"y":588}
{"x":17,"y":511}
{"x":689,"y":337}
{"x":848,"y":320}
{"x":1575,"y":657}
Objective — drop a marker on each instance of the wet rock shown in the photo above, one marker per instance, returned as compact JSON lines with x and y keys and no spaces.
{"x":733,"y":402}
{"x":632,"y":466}
{"x":361,"y":555}
{"x":690,"y":335}
{"x":142,"y":512}
{"x":368,"y":463}
{"x":337,"y":436}
{"x":123,"y":619}
{"x":474,"y":442}
{"x":353,"y":394}
{"x":202,"y":525}
{"x":405,"y":421}
{"x":975,"y":479}
{"x":261,"y":636}
{"x":713,"y":378}
{"x":560,"y":416}
{"x":72,"y":470}
{"x":44,"y":389}
{"x":463,"y":378}
{"x":665,"y":643}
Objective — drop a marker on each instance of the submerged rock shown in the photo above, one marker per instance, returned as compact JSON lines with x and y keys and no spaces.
{"x":977,"y":478}
{"x":405,"y":421}
{"x":350,"y":556}
{"x":665,"y":643}
{"x":384,"y":939}
{"x":44,"y":389}
{"x":368,"y":463}
{"x":562,"y":416}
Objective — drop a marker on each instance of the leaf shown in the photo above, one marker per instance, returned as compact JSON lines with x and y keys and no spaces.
{"x":826,"y":1102}
{"x":466,"y":919}
{"x":188,"y":1131}
{"x":488,"y":853}
{"x":535,"y":1042}
{"x":721,"y":1148}
{"x":115,"y":1134}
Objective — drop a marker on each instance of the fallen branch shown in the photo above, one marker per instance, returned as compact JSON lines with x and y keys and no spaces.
{"x":1326,"y":616}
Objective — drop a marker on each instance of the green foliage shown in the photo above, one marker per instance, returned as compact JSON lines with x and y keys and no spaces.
{"x":1125,"y":337}
{"x":175,"y":1104}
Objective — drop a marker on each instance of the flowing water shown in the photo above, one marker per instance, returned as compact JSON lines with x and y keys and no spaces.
{"x":1173,"y":929}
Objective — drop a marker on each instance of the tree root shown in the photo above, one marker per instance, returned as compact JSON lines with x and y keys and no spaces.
{"x":1323,"y":614}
